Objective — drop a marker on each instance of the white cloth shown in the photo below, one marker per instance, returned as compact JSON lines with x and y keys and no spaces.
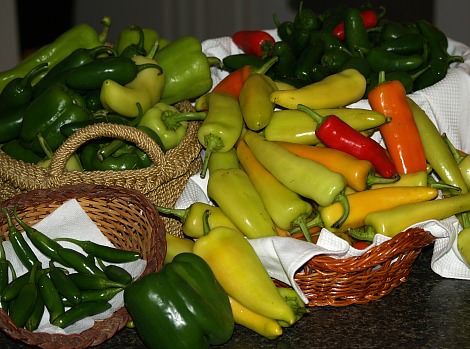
{"x":446,"y":103}
{"x":70,"y":220}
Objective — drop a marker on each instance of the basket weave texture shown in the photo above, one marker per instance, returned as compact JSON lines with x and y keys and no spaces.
{"x":162,"y":182}
{"x":125,"y":216}
{"x":329,"y":281}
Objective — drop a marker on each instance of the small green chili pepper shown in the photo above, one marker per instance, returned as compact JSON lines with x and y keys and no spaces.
{"x":35,"y":318}
{"x":381,"y":60}
{"x":356,"y":34}
{"x":92,"y":282}
{"x":41,"y":241}
{"x":64,"y":284}
{"x":405,"y":45}
{"x":51,"y":296}
{"x":79,"y":262}
{"x":12,"y":290}
{"x":23,"y":251}
{"x":334,"y":59}
{"x":5,"y":265}
{"x":308,"y":58}
{"x":116,"y":273}
{"x":285,"y":65}
{"x":106,"y":253}
{"x":79,"y":312}
{"x":23,"y":305}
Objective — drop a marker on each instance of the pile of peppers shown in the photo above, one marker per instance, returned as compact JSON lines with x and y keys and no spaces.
{"x":314,"y":45}
{"x":79,"y":79}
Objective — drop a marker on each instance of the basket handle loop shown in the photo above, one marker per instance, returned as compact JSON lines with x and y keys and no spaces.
{"x":104,"y":130}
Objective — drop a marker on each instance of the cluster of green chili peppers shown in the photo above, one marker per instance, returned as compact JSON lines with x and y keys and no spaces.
{"x":74,"y":285}
{"x":315,"y":45}
{"x":72,"y":83}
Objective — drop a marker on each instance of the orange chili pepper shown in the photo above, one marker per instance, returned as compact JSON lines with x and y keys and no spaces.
{"x":233,"y":82}
{"x":401,"y":135}
{"x":358,"y":173}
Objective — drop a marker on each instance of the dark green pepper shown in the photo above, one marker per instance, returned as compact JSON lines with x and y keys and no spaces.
{"x":439,"y":59}
{"x":86,"y":281}
{"x":306,"y":18}
{"x":91,"y":76}
{"x":359,"y":63}
{"x":16,"y":150}
{"x":47,"y":113}
{"x":79,"y":312}
{"x":5,"y":265}
{"x":10,"y":123}
{"x":391,"y":30}
{"x":334,"y":59}
{"x":181,"y":306}
{"x":187,"y":69}
{"x":51,"y":297}
{"x":77,"y":58}
{"x":64,"y":285}
{"x":19,"y":91}
{"x":36,"y":315}
{"x":133,"y":48}
{"x":72,"y":127}
{"x":81,"y":35}
{"x":285,"y":65}
{"x":236,"y":61}
{"x":381,"y":60}
{"x":356,"y":35}
{"x":404,"y":45}
{"x":308,"y":59}
{"x":23,"y":305}
{"x":284,"y":29}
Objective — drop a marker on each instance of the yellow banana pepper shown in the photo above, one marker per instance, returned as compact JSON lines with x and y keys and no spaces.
{"x":176,"y":245}
{"x":241,"y":274}
{"x":336,"y":90}
{"x":264,"y":326}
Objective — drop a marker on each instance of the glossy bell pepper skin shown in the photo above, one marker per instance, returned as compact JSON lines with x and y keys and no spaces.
{"x":349,"y":86}
{"x":47,"y":113}
{"x":241,"y":273}
{"x":383,"y":60}
{"x":182,"y":306}
{"x":18,"y":151}
{"x":187,"y":69}
{"x":81,"y":35}
{"x":295,"y":126}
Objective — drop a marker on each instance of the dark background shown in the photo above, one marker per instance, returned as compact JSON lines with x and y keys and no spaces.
{"x":39,"y":25}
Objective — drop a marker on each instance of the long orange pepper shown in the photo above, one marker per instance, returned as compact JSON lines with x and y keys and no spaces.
{"x":233,"y":82}
{"x":401,"y":135}
{"x":358,"y":173}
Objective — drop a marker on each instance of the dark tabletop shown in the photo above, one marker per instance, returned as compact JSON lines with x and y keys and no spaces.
{"x":428,"y":311}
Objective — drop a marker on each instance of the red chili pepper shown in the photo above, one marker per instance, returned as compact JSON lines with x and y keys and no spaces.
{"x":335,"y":133}
{"x":255,"y":42}
{"x":369,"y":17}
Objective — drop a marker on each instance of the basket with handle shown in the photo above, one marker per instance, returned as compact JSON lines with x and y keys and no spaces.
{"x":125,"y":216}
{"x":162,"y":182}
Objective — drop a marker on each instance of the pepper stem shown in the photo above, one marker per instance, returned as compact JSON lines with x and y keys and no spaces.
{"x":212,"y":143}
{"x":266,"y":66}
{"x":315,"y":222}
{"x":365,"y":233}
{"x":45,"y":147}
{"x":372,"y":178}
{"x":173,"y":120}
{"x":103,"y":36}
{"x":343,"y":200}
{"x":206,"y":228}
{"x":180,"y":213}
{"x":313,"y":114}
{"x":301,"y":224}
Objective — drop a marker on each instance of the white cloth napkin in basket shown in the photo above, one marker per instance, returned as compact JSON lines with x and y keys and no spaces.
{"x":446,"y":103}
{"x":70,"y":220}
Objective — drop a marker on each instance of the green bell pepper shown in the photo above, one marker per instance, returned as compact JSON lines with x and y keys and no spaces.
{"x":81,"y":35}
{"x":16,"y":150}
{"x":180,"y":307}
{"x":187,"y":69}
{"x":168,"y":124}
{"x":47,"y":113}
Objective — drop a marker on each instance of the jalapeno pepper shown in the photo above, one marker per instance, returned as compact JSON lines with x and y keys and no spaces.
{"x":355,"y":32}
{"x":80,"y":311}
{"x":382,"y":60}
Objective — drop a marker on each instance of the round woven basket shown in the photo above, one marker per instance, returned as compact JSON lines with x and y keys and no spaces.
{"x":329,"y":281}
{"x":125,"y":216}
{"x":162,"y":182}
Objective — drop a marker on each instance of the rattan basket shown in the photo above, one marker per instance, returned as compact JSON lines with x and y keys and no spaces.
{"x":125,"y":216}
{"x":329,"y":281}
{"x":162,"y":182}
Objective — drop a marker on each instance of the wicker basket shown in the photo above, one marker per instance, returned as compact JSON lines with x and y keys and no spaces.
{"x":126,"y":217}
{"x":162,"y":182}
{"x":329,"y":281}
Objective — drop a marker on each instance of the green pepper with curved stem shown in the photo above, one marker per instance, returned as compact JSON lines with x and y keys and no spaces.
{"x":187,"y":69}
{"x":81,"y":35}
{"x":142,"y":38}
{"x":168,"y":123}
{"x":75,"y":59}
{"x":19,"y":91}
{"x":222,"y":126}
